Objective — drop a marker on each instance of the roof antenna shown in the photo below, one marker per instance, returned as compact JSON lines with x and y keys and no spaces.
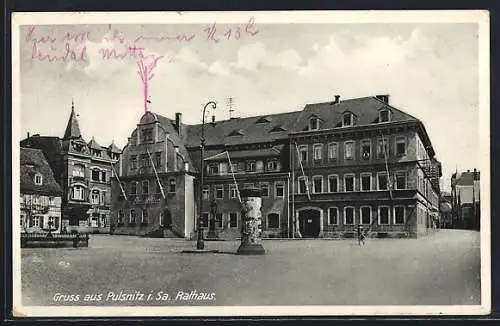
{"x":230,"y":103}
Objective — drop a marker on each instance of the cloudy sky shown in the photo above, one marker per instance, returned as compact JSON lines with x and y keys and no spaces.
{"x":429,"y":70}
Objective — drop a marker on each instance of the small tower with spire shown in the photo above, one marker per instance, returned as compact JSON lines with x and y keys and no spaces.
{"x":72,"y":128}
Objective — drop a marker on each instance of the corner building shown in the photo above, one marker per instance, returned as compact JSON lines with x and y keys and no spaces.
{"x":362,"y":161}
{"x":155,"y":189}
{"x":84,"y":171}
{"x":40,"y":204}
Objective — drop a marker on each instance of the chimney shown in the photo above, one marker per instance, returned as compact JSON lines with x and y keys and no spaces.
{"x":28,"y":134}
{"x":384,"y":98}
{"x":178,"y":123}
{"x":337,"y":99}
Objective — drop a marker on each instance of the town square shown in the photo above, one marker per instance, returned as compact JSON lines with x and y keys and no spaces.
{"x":442,"y":269}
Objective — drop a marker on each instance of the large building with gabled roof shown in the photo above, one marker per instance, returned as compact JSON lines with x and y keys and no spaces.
{"x":40,"y":194}
{"x":322,"y":171}
{"x":84,"y":170}
{"x":363,"y":162}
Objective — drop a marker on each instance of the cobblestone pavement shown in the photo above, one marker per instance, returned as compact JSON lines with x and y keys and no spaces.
{"x":439,"y":269}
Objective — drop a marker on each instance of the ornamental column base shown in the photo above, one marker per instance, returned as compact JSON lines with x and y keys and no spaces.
{"x":251,"y":249}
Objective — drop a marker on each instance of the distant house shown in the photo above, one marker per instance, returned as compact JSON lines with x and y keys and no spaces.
{"x":446,"y":210}
{"x":466,"y":199}
{"x":40,"y":194}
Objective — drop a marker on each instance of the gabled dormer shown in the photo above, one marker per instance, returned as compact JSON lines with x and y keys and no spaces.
{"x":384,"y":115}
{"x":263,"y":120}
{"x":237,"y":132}
{"x":314,"y":123}
{"x":95,"y":148}
{"x":278,"y":129}
{"x":348,"y":119}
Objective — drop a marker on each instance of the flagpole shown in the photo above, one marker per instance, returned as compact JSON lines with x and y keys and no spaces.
{"x":156,"y":173}
{"x":234,"y":178}
{"x":306,"y":180}
{"x":387,"y":167}
{"x":119,"y":182}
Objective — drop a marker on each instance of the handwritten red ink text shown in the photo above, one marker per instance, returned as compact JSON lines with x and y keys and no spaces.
{"x":73,"y":51}
{"x":210,"y":31}
{"x":70,"y":54}
{"x":117,"y":35}
{"x":31,"y":37}
{"x":180,"y":38}
{"x":146,"y":66}
{"x":250,"y":27}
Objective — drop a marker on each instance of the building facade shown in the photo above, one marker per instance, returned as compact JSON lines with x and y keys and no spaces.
{"x":322,"y":171}
{"x":84,"y":171}
{"x":363,"y":162}
{"x":155,"y":187}
{"x":466,"y":200}
{"x":40,"y":200}
{"x":243,"y":153}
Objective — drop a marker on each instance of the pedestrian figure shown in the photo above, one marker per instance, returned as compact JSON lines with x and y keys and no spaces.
{"x":361,"y":235}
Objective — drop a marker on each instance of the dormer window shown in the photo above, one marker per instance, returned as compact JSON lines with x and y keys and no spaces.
{"x":313,"y":123}
{"x":347,"y":119}
{"x":97,"y":153}
{"x":278,"y":129}
{"x":238,"y":132}
{"x":384,"y":116}
{"x":38,"y":179}
{"x":263,"y":120}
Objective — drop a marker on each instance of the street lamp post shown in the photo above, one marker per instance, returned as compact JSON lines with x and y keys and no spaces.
{"x":200,"y":244}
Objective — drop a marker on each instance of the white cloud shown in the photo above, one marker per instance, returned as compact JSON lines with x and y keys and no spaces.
{"x":256,"y":55}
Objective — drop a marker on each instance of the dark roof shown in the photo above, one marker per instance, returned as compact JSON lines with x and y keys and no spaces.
{"x":51,"y":146}
{"x":252,"y":131}
{"x":365,"y":109}
{"x":467,"y":178}
{"x":113,"y":148}
{"x":169,"y":126}
{"x":32,"y":162}
{"x":72,"y":129}
{"x":94,"y":145}
{"x":278,"y":127}
{"x":54,"y":146}
{"x":251,"y":153}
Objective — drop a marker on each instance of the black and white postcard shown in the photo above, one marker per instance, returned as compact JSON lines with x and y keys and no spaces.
{"x":251,"y":163}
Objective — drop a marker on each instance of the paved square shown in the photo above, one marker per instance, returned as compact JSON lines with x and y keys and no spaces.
{"x":440,"y":269}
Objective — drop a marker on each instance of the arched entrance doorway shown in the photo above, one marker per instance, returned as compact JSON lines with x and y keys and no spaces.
{"x":310,"y":222}
{"x":166,"y":219}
